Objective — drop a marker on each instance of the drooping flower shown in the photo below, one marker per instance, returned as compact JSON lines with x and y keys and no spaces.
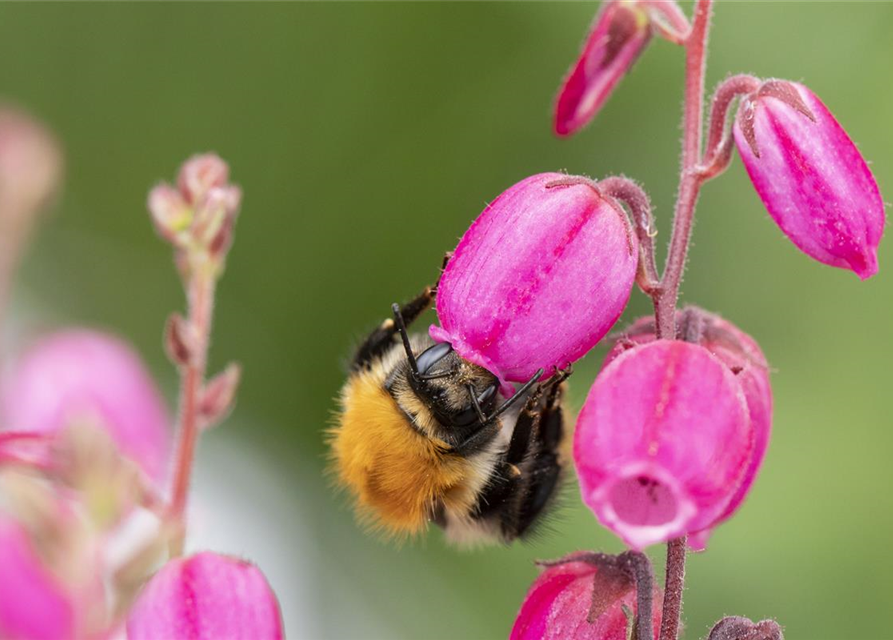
{"x":204,"y":597}
{"x":580,"y":598}
{"x":743,"y":356}
{"x":78,"y":375}
{"x":663,"y":442}
{"x":618,"y":36}
{"x":539,"y":278}
{"x":811,"y":177}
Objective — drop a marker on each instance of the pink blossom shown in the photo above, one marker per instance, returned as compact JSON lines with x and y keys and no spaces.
{"x":567,"y":594}
{"x":82,"y":375}
{"x":204,"y":597}
{"x":618,"y":36}
{"x":811,"y":177}
{"x":34,"y":603}
{"x":663,"y":442}
{"x":743,"y":356}
{"x":539,"y":278}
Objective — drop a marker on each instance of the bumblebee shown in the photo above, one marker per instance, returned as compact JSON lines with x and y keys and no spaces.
{"x":423,"y":435}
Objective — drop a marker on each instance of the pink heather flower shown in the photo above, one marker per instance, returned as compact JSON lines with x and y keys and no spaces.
{"x":567,"y":594}
{"x":811,"y":176}
{"x":663,"y":442}
{"x":34,"y":603}
{"x":539,"y":278}
{"x":81,"y":375}
{"x":205,"y":597}
{"x":743,"y":356}
{"x":618,"y":36}
{"x":30,"y":163}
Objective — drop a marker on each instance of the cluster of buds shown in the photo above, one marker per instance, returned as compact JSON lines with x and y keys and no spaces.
{"x":86,"y":444}
{"x":198,"y":215}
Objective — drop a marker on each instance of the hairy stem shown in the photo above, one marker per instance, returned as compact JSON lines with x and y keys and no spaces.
{"x":200,"y":295}
{"x":674,"y":585}
{"x":639,"y":566}
{"x":639,"y":205}
{"x":690,"y":181}
{"x":718,"y":151}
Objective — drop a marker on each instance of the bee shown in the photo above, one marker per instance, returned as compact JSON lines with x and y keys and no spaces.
{"x":423,"y":435}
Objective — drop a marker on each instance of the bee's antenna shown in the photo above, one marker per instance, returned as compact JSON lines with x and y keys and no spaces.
{"x":517,"y":396}
{"x":401,"y":327}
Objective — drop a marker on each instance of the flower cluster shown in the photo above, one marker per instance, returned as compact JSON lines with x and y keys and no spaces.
{"x":675,"y":428}
{"x":86,"y":441}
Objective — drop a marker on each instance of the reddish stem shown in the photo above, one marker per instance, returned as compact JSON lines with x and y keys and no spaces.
{"x":200,"y":293}
{"x":718,"y":151}
{"x":635,"y":198}
{"x":674,"y":585}
{"x":690,"y":181}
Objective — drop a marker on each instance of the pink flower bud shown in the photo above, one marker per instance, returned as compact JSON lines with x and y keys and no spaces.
{"x":743,"y":356}
{"x":618,"y":36}
{"x":577,"y":598}
{"x":200,"y":174}
{"x":34,"y":603}
{"x":30,"y":164}
{"x":170,"y":212}
{"x":81,"y":375}
{"x":204,"y":597}
{"x":539,"y":278}
{"x":663,"y":442}
{"x":811,"y":176}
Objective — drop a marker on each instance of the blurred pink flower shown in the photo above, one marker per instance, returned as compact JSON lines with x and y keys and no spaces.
{"x":539,"y":278}
{"x":82,"y":375}
{"x":663,"y":441}
{"x":199,"y":174}
{"x":810,"y":175}
{"x":568,"y":593}
{"x":205,"y":597}
{"x":34,"y":603}
{"x":30,"y":163}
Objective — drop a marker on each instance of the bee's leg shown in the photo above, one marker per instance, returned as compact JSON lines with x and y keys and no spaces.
{"x":381,"y":339}
{"x":537,"y":467}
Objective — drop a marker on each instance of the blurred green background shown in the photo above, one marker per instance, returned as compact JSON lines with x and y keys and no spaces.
{"x":366,"y":138}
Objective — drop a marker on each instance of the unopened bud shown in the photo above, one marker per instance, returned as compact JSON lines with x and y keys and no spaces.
{"x":170,"y":212}
{"x":179,"y":340}
{"x":200,"y":174}
{"x":810,"y":176}
{"x":218,"y":396}
{"x":738,"y":628}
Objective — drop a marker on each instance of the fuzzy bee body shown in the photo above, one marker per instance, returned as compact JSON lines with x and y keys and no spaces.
{"x":425,"y":436}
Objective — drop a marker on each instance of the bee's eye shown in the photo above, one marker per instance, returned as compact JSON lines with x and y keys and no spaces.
{"x":431,"y":356}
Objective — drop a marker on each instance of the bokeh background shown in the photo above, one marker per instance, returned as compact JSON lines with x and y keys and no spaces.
{"x":366,"y":138}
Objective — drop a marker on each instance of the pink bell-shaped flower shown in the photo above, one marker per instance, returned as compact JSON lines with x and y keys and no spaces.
{"x":81,"y":375}
{"x":204,"y":597}
{"x":663,"y":442}
{"x":579,"y":598}
{"x":539,"y":278}
{"x":743,"y":356}
{"x":34,"y":603}
{"x":811,"y":177}
{"x":618,"y":36}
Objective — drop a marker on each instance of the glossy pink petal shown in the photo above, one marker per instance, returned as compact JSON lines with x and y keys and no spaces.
{"x":81,"y":375}
{"x":618,"y":36}
{"x":34,"y":603}
{"x":811,"y":177}
{"x":663,"y":442}
{"x":560,"y":601}
{"x":205,"y":597}
{"x":539,"y":278}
